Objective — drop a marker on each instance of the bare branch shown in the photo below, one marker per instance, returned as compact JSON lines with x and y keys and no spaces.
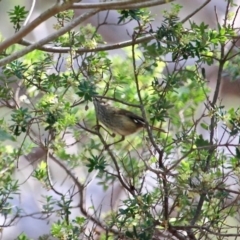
{"x":121,"y":4}
{"x":28,"y":28}
{"x":85,"y":50}
{"x":49,"y":38}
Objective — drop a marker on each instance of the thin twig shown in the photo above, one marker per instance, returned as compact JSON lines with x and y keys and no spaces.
{"x":196,"y":11}
{"x":30,"y":13}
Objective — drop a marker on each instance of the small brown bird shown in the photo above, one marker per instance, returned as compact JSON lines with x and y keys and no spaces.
{"x":119,"y":120}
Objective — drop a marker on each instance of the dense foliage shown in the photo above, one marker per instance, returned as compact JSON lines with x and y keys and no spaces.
{"x":175,"y":184}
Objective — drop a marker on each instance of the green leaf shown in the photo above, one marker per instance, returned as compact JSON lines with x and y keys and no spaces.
{"x":132,"y":14}
{"x":4,"y":135}
{"x":204,"y":126}
{"x":86,"y":90}
{"x":17,"y":16}
{"x":200,"y":142}
{"x":96,"y":163}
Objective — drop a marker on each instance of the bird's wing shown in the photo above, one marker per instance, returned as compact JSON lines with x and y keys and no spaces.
{"x":134,"y":117}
